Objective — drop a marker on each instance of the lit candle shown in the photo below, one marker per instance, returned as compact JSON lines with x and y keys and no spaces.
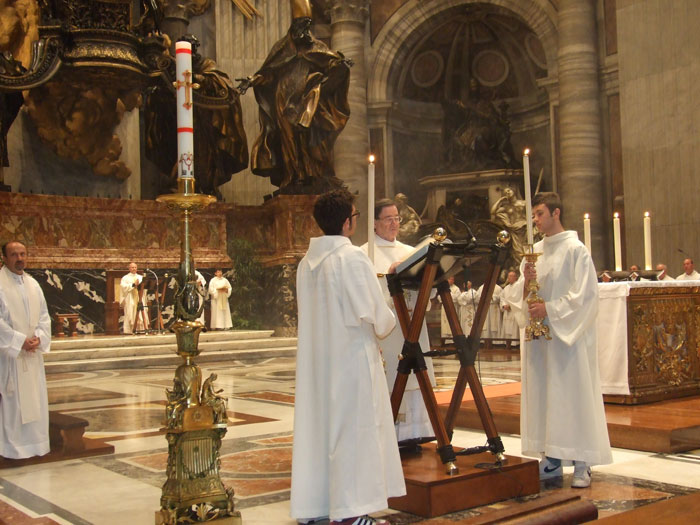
{"x":185,"y":127}
{"x":370,"y":208}
{"x":616,"y":239}
{"x":647,"y":241}
{"x":528,"y":197}
{"x":587,"y":231}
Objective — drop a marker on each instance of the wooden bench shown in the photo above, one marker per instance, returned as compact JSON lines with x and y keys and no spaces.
{"x":58,"y":329}
{"x":66,"y":433}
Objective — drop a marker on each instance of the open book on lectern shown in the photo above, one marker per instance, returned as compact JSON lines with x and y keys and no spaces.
{"x":454,"y":257}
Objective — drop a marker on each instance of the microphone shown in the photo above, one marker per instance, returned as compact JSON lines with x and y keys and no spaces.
{"x":684,"y":253}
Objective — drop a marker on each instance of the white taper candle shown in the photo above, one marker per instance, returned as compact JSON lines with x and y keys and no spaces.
{"x":647,"y":241}
{"x":617,"y":242}
{"x":370,"y":208}
{"x":528,"y":196}
{"x":587,"y":231}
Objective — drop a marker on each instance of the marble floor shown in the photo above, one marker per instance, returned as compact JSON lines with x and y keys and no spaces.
{"x":125,"y":408}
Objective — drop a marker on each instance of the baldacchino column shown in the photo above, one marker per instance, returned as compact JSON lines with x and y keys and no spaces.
{"x":195,"y":416}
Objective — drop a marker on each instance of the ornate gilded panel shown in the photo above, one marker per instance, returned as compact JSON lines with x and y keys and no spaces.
{"x":664,"y":343}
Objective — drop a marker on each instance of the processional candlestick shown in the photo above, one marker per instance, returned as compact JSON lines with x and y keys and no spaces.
{"x":536,"y":327}
{"x":195,"y":415}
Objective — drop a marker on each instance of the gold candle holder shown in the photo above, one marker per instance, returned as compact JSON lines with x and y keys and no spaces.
{"x":536,"y":327}
{"x":195,"y":414}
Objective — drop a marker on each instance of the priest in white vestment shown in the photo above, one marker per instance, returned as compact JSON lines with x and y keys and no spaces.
{"x":445,"y":330}
{"x":689,"y":273}
{"x":25,"y":335}
{"x":129,"y":286}
{"x":562,"y":418}
{"x":413,"y":422}
{"x":510,"y":331}
{"x":202,"y":288}
{"x":468,"y":304}
{"x":219,"y":292}
{"x":663,"y":273}
{"x":345,"y":459}
{"x":492,"y":324}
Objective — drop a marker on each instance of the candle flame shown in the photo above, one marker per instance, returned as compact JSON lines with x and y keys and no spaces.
{"x":371,"y":158}
{"x":586,"y":216}
{"x":646,"y":214}
{"x":616,"y":215}
{"x":527,"y":151}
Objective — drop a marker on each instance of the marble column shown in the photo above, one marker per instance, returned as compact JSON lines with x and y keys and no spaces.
{"x":348,"y":20}
{"x":581,"y":173}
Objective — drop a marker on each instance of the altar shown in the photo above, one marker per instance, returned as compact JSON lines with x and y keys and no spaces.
{"x":649,"y":340}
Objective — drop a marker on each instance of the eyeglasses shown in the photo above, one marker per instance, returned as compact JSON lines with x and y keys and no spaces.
{"x":356,"y":214}
{"x":389,"y":220}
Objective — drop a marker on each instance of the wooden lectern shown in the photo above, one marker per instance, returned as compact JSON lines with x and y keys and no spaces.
{"x":430,"y":267}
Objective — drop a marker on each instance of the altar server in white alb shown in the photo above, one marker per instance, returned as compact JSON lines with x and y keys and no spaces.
{"x":130,"y":301}
{"x":25,"y":335}
{"x":202,"y":288}
{"x":689,"y":273}
{"x":345,"y":459}
{"x":219,"y":292}
{"x":562,"y":416}
{"x":445,"y":330}
{"x":663,"y":273}
{"x":413,"y":423}
{"x":510,"y":331}
{"x":492,"y":325}
{"x":468,"y":303}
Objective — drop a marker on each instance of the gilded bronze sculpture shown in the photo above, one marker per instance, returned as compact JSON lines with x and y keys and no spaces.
{"x":302,"y":91}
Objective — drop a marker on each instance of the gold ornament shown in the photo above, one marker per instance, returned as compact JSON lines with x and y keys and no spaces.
{"x":301,"y":9}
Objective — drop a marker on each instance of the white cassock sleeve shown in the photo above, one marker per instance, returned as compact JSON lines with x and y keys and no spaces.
{"x":364,"y":298}
{"x":43,"y":329}
{"x":572,"y":314}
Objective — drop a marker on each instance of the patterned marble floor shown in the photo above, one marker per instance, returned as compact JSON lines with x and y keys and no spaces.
{"x":125,"y":408}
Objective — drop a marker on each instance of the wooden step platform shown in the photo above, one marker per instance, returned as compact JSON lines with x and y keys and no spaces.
{"x":665,"y":426}
{"x":431,"y":492}
{"x":67,"y":442}
{"x":682,"y":509}
{"x":548,"y":509}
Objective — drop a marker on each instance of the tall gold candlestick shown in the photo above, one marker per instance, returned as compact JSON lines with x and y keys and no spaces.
{"x":536,"y":327}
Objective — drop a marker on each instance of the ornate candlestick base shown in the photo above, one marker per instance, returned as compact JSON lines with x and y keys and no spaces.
{"x":195,"y":416}
{"x":536,"y":327}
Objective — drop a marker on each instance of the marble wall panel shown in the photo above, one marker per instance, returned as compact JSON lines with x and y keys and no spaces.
{"x":84,"y":292}
{"x":86,"y":232}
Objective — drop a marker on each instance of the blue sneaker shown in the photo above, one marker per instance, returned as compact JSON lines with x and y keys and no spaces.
{"x":550,"y":468}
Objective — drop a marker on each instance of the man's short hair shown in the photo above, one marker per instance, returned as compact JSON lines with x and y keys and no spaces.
{"x":5,"y":245}
{"x":332,"y":209}
{"x":381,"y":204}
{"x":551,"y":200}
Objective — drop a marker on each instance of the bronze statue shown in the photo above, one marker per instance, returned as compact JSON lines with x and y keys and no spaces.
{"x":508,"y":212}
{"x":410,"y":221}
{"x":475,"y":134}
{"x":302,"y":91}
{"x":210,"y":397}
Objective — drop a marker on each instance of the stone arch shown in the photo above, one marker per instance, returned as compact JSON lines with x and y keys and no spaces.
{"x":405,"y":27}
